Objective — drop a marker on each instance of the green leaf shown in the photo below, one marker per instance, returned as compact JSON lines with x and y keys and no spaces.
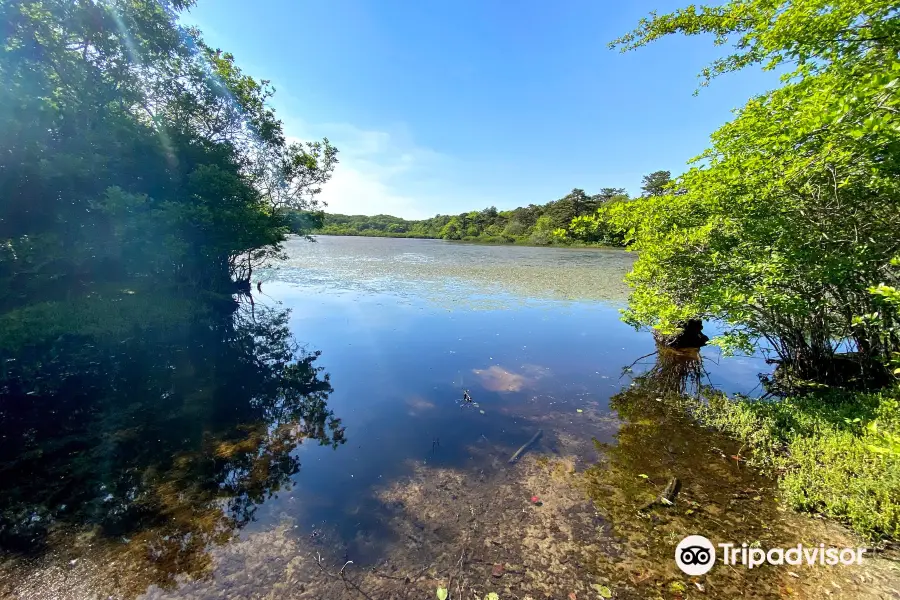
{"x":492,"y":596}
{"x":442,"y":593}
{"x":602,"y":590}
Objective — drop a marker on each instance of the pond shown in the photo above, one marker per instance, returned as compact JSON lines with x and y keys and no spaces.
{"x":318,"y":442}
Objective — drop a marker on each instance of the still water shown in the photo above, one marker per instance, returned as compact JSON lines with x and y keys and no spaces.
{"x":316,"y":443}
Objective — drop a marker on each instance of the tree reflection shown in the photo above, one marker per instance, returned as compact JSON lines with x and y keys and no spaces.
{"x":676,"y":372}
{"x":657,"y":441}
{"x":656,"y":435}
{"x":166,"y":441}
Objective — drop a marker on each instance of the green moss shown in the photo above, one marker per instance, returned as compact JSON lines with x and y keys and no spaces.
{"x":834,"y":453}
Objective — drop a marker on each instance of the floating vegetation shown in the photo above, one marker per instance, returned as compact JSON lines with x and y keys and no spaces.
{"x":479,"y":277}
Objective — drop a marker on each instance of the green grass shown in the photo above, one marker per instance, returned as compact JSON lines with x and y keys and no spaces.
{"x":836,"y":453}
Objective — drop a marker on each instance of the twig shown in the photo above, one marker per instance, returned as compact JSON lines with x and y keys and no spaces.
{"x":459,"y":571}
{"x":525,"y":446}
{"x":639,"y":358}
{"x":420,"y":573}
{"x":386,"y":576}
{"x":341,"y":576}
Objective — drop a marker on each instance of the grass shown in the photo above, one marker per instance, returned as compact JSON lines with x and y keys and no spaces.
{"x":836,"y":453}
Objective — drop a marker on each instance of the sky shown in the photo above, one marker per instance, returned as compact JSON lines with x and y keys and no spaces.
{"x":446,"y":106}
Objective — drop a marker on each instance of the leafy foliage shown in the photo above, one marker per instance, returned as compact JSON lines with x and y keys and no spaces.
{"x":575,"y":218}
{"x":134,"y":152}
{"x":655,"y":183}
{"x":144,"y":174}
{"x":836,"y":453}
{"x":782,"y":227}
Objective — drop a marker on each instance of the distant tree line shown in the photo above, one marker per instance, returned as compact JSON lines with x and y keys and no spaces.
{"x":577,"y":218}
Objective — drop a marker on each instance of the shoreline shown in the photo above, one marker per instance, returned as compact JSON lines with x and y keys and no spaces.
{"x":573,"y":246}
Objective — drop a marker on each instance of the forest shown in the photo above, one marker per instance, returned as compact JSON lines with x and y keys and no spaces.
{"x":135,"y":153}
{"x":575,"y":219}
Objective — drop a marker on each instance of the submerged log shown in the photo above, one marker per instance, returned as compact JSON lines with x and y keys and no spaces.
{"x":690,"y":336}
{"x":666,"y":497}
{"x":525,"y":446}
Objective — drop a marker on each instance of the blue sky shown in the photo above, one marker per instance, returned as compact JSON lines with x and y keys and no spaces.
{"x":445,"y":106}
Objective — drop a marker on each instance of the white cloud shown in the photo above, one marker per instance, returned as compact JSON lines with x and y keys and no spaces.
{"x":380,"y":172}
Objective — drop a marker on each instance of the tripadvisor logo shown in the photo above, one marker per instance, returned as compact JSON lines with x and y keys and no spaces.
{"x":696,"y":555}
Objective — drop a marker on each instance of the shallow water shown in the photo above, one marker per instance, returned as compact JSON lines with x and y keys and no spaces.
{"x":223,"y":481}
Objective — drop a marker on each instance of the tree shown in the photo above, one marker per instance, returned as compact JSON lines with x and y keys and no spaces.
{"x":134,"y":152}
{"x":514,"y":229}
{"x":452,"y":230}
{"x":655,"y":183}
{"x":304,"y":222}
{"x":607,"y":194}
{"x":543,"y":229}
{"x":791,"y":217}
{"x":562,"y":211}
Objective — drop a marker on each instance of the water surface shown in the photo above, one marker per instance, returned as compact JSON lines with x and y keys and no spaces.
{"x":218,"y":460}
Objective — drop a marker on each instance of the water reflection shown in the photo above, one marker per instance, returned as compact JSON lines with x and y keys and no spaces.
{"x":719,"y":497}
{"x":153,"y":448}
{"x":675,"y":372}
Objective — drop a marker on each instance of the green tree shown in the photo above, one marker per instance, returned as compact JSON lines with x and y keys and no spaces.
{"x":133,"y":152}
{"x":543,"y":231}
{"x":655,"y":183}
{"x":608,"y":194}
{"x":452,"y":230}
{"x":791,"y":217}
{"x":514,"y":229}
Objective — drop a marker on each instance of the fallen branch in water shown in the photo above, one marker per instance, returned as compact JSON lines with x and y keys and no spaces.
{"x":525,"y":446}
{"x":347,"y":583}
{"x":667,"y":497}
{"x":349,"y":562}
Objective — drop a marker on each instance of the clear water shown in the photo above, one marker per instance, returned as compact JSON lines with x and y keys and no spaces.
{"x":216,"y":483}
